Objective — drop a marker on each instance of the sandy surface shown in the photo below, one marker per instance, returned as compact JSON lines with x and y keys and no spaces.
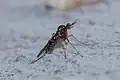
{"x":25,"y":27}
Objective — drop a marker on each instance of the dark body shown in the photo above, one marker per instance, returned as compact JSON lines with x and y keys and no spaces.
{"x":56,"y":40}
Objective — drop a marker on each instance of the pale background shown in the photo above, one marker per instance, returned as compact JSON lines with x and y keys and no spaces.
{"x":25,"y":27}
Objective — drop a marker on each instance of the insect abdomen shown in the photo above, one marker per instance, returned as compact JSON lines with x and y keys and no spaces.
{"x":48,"y":49}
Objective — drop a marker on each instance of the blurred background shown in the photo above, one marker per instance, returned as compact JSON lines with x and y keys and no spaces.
{"x":26,"y":26}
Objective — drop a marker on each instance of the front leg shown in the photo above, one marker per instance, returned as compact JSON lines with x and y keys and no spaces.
{"x":71,"y":35}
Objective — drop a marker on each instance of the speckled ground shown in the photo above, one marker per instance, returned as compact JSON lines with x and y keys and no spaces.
{"x":25,"y":27}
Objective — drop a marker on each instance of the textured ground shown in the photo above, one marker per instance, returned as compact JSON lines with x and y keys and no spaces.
{"x":25,"y":27}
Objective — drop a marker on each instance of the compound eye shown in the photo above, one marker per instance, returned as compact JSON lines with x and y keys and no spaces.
{"x":69,"y":25}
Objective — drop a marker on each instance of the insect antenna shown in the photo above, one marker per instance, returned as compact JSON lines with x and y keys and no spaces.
{"x":75,"y":21}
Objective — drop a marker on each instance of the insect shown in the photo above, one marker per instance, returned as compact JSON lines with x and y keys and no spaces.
{"x":61,"y":36}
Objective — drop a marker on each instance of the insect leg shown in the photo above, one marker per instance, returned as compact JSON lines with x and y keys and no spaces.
{"x":64,"y":51}
{"x":75,"y":49}
{"x":71,"y":35}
